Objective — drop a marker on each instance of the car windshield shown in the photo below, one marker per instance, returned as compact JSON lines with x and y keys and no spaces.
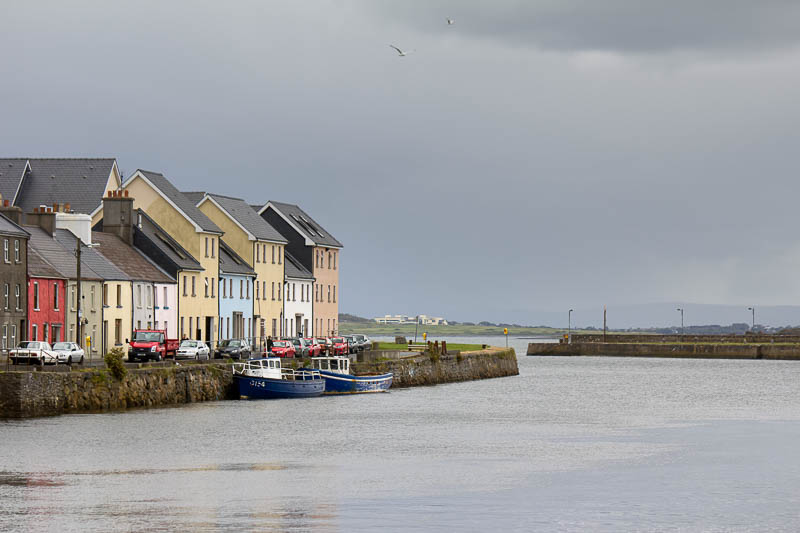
{"x":29,"y":345}
{"x":230,"y":344}
{"x":148,"y":336}
{"x":338,"y":340}
{"x":281,"y":344}
{"x":189,"y":344}
{"x":62,"y":346}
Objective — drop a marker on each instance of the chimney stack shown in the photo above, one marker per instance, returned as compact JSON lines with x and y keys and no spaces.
{"x":118,"y":215}
{"x":11,"y":212}
{"x":40,"y":217}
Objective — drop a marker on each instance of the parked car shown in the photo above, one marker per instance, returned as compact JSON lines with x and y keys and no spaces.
{"x":190,"y":349}
{"x":233,"y":348}
{"x":298,"y":346}
{"x":33,"y":352}
{"x":338,"y":346}
{"x":352,"y":344}
{"x":282,"y":348}
{"x":364,"y":342}
{"x":151,"y":344}
{"x":68,"y":352}
{"x":314,"y":348}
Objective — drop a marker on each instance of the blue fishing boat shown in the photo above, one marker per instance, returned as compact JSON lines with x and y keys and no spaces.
{"x":338,"y":379}
{"x":264,"y":378}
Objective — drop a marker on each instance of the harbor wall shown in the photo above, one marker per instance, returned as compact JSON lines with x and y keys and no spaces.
{"x":698,"y":351}
{"x":29,"y":394}
{"x":429,"y":370}
{"x":677,"y":338}
{"x":25,"y":394}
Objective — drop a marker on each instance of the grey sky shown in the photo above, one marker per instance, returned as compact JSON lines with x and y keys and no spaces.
{"x":534,"y":156}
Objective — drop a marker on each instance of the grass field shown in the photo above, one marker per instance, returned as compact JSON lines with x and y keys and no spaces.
{"x":458,"y":330}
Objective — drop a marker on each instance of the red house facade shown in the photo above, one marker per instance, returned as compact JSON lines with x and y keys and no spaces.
{"x":46,"y":301}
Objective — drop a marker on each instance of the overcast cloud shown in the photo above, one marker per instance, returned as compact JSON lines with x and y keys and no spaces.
{"x":532,"y":157}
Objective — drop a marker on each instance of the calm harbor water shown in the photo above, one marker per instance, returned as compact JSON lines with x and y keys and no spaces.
{"x":572,"y":444}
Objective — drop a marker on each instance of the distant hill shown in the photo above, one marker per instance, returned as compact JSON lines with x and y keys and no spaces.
{"x":345,"y":317}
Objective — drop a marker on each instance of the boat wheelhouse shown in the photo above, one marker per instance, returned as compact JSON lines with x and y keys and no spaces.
{"x":264,"y":378}
{"x":339,"y":379}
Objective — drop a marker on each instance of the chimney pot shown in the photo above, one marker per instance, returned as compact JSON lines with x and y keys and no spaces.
{"x":55,"y":207}
{"x":110,"y":194}
{"x":125,"y":193}
{"x":35,"y":209}
{"x":66,"y":208}
{"x":6,"y":203}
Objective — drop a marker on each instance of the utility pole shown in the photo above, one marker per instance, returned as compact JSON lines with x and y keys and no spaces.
{"x":604,"y":323}
{"x":78,"y":293}
{"x":681,"y":311}
{"x":569,"y":327}
{"x":416,"y":326}
{"x":753,"y":309}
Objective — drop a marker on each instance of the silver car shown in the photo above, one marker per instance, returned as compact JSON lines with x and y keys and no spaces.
{"x":192,"y":350}
{"x":69,"y":352}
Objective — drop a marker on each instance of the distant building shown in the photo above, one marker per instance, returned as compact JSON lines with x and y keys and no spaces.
{"x":424,"y":320}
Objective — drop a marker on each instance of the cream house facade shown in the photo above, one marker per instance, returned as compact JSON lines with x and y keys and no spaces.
{"x":194,"y":232}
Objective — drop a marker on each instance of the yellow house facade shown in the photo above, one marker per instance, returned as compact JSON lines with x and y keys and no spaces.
{"x":254,"y":239}
{"x":198,"y":235}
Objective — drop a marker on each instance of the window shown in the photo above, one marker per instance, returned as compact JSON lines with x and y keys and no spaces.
{"x":184,"y":285}
{"x":329,"y":294}
{"x":139,"y":296}
{"x":255,"y":288}
{"x":279,"y":255}
{"x":119,"y":295}
{"x":105,"y":295}
{"x":156,"y":326}
{"x":5,"y":296}
{"x":334,"y":294}
{"x":92,"y":298}
{"x":118,"y":332}
{"x":279,"y":292}
{"x":241,"y":289}
{"x":17,"y":294}
{"x":274,"y":328}
{"x":329,"y":260}
{"x":247,"y":284}
{"x":16,"y":250}
{"x":193,"y":287}
{"x":294,"y":292}
{"x":206,"y":285}
{"x":258,"y":253}
{"x":5,"y":251}
{"x":55,"y":296}
{"x":72,"y":296}
{"x":206,"y":246}
{"x":213,"y":246}
{"x":224,"y":288}
{"x":230,"y":288}
{"x":13,"y":334}
{"x":155,"y":298}
{"x":212,"y":287}
{"x":35,"y":295}
{"x":34,"y":332}
{"x":165,"y":303}
{"x":273,"y":291}
{"x":4,"y":344}
{"x":148,"y":290}
{"x":273,"y":254}
{"x":191,"y":331}
{"x":138,"y":324}
{"x":182,"y":327}
{"x":55,"y":333}
{"x":93,"y":337}
{"x":334,"y":260}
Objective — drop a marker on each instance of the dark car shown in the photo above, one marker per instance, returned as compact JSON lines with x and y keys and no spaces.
{"x":233,"y":348}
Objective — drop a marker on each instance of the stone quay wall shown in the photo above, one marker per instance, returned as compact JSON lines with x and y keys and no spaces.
{"x":32,"y":393}
{"x":430,"y":370}
{"x":673,"y":338}
{"x":697,"y":351}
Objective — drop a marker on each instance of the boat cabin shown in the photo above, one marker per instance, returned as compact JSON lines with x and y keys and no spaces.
{"x":262,"y":368}
{"x":340,"y":365}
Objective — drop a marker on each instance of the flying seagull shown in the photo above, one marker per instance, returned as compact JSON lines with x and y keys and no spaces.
{"x":450,"y":21}
{"x":402,"y":53}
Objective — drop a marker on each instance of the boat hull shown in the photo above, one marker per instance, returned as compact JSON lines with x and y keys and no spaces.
{"x":266,"y":388}
{"x":336,"y":383}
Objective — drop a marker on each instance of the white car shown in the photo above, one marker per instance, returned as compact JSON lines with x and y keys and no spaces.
{"x":192,"y":350}
{"x":69,"y":352}
{"x":33,"y":353}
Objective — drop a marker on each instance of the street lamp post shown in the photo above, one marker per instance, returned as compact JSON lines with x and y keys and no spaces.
{"x":753,"y":309}
{"x":416,"y":327}
{"x":78,"y":312}
{"x":569,"y":327}
{"x":681,"y":311}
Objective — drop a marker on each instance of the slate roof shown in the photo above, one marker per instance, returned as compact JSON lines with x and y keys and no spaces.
{"x":79,"y":182}
{"x":184,"y":204}
{"x":166,"y":244}
{"x":38,"y":267}
{"x":293,"y":269}
{"x":11,"y":172}
{"x":60,"y":258}
{"x":128,"y":259}
{"x":243,"y":213}
{"x":232,"y":263}
{"x":8,"y":227}
{"x":99,"y":264}
{"x":306,"y":225}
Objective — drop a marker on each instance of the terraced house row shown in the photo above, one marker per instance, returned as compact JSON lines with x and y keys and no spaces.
{"x":90,"y":256}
